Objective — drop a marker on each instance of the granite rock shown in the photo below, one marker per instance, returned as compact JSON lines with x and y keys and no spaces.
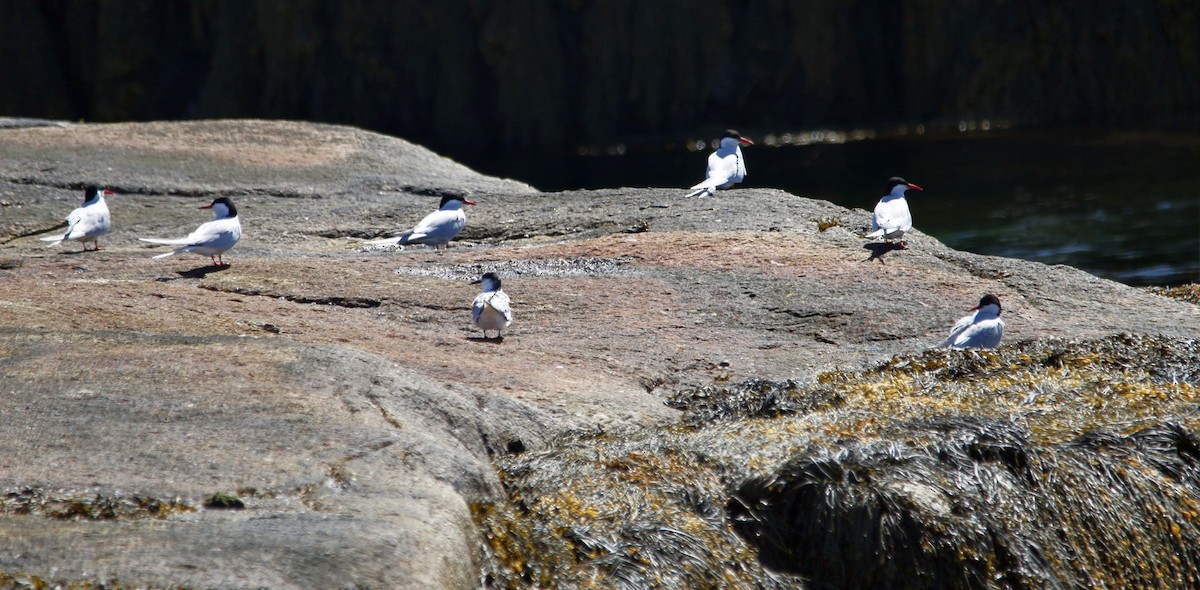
{"x":339,"y":390}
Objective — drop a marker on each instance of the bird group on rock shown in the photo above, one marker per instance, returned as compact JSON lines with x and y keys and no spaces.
{"x":890,"y":220}
{"x":491,"y":310}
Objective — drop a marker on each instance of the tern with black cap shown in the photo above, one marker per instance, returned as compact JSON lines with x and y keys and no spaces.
{"x":211,"y":239}
{"x":891,"y":218}
{"x":87,"y":222}
{"x":726,"y":166}
{"x":491,"y":309}
{"x":436,"y":229}
{"x":982,"y":329}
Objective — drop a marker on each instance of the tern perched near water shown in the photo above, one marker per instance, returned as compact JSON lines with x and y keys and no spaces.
{"x":892,"y":218}
{"x":88,"y":222}
{"x":726,"y":166}
{"x":491,"y":310}
{"x":981,"y":329}
{"x":211,"y":239}
{"x":437,"y":228}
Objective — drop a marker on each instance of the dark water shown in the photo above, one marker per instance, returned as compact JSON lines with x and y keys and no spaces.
{"x":1124,"y":207}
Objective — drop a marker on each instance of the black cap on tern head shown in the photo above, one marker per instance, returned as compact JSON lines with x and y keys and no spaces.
{"x":895,"y":180}
{"x":989,"y":299}
{"x":738,"y":136}
{"x":93,"y":191}
{"x":488,"y":276}
{"x":223,"y":201}
{"x":448,"y":198}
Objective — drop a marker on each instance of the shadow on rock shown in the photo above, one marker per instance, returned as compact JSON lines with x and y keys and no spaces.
{"x":486,"y":340}
{"x":878,"y":249}
{"x":201,"y":272}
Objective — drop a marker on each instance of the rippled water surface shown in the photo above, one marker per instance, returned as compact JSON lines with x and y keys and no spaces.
{"x":1125,"y":207}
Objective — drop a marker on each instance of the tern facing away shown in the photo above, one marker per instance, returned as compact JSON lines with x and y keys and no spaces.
{"x":211,"y":239}
{"x":87,"y":222}
{"x":437,"y":228}
{"x":892,"y":218}
{"x":726,"y":166}
{"x":982,"y":329}
{"x":491,"y":310}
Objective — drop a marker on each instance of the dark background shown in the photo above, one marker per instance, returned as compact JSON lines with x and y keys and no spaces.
{"x":472,"y":77}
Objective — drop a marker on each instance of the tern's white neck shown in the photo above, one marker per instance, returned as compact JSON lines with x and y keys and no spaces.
{"x":490,"y":284}
{"x":728,"y":144}
{"x":220,"y":211}
{"x":990,"y":310}
{"x":897,"y":192}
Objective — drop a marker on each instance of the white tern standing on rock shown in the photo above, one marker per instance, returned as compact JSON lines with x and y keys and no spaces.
{"x":726,"y":166}
{"x":892,"y":218}
{"x":87,"y":222}
{"x":211,"y":239}
{"x":491,"y":310}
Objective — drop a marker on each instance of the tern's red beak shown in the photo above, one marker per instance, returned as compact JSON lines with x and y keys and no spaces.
{"x":745,"y":141}
{"x":914,"y":187}
{"x":208,"y":206}
{"x":469,"y":202}
{"x":107,"y":192}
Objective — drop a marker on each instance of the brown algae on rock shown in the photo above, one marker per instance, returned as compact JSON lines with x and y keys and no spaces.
{"x":1039,"y":464}
{"x":1189,"y":292}
{"x":65,"y":505}
{"x":224,"y":501}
